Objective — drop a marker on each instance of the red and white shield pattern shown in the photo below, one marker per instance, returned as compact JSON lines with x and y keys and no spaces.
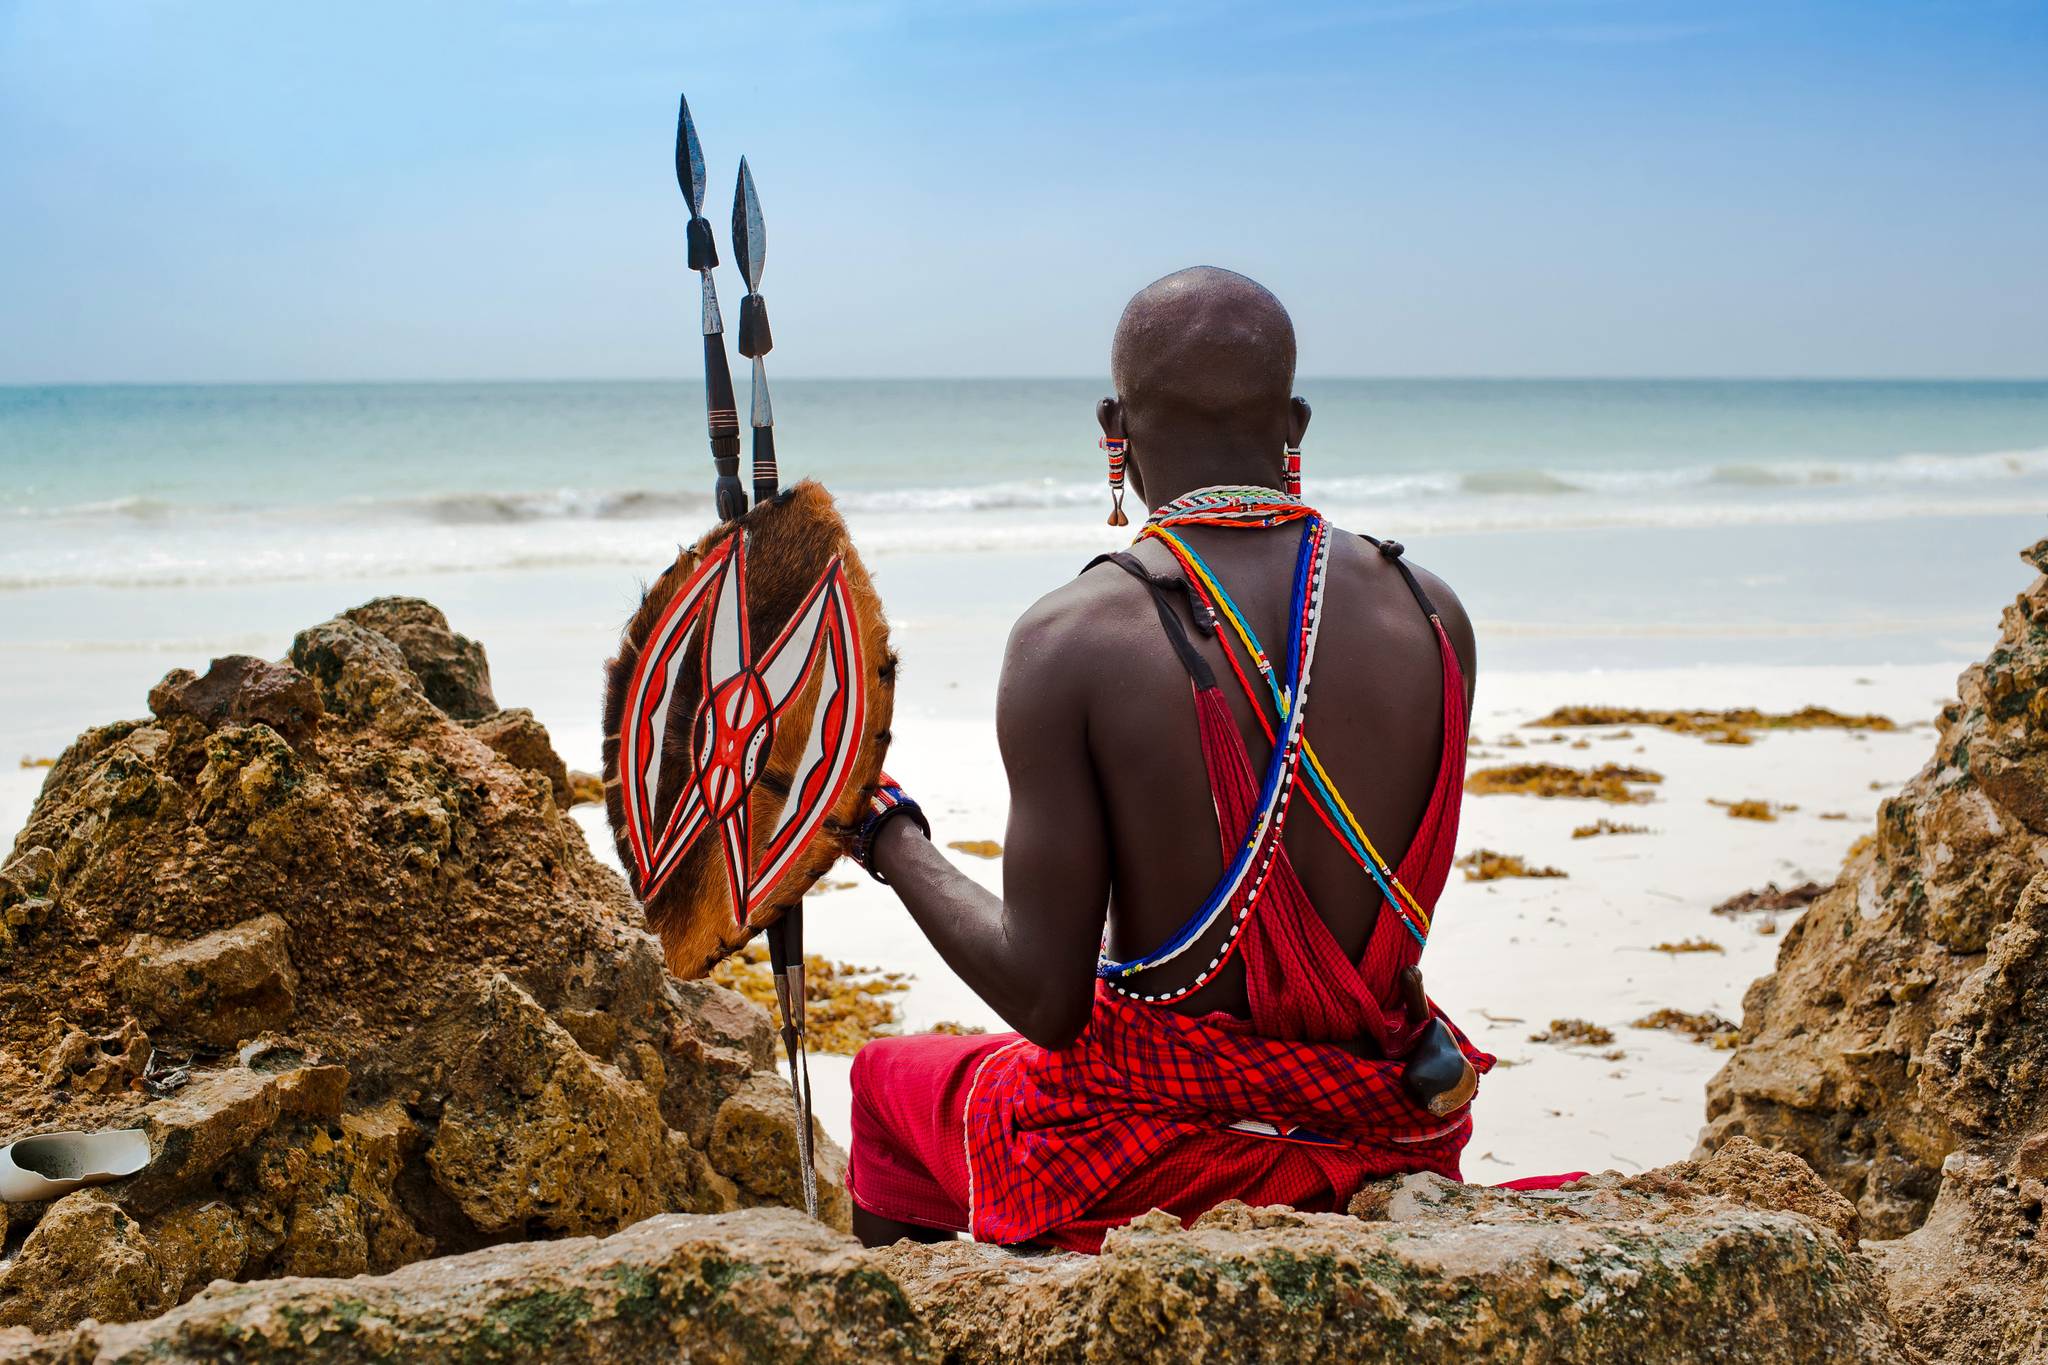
{"x":746,"y":693}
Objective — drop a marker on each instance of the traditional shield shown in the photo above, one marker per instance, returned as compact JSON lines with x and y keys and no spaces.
{"x":746,"y":716}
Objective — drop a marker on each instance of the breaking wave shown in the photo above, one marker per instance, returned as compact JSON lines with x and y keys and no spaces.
{"x":157,"y":541}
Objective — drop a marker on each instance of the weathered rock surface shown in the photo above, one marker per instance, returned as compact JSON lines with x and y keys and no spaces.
{"x":520,"y":739}
{"x":739,"y":1288}
{"x":245,"y":690}
{"x":1901,"y":1046}
{"x":1456,"y":1273}
{"x":361,"y":980}
{"x":451,"y":668}
{"x":221,"y":989}
{"x":1655,"y":1269}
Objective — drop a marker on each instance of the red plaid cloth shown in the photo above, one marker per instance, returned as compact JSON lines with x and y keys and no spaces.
{"x":1138,"y":1112}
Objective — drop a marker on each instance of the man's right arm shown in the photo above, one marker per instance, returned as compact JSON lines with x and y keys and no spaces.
{"x":1029,"y":953}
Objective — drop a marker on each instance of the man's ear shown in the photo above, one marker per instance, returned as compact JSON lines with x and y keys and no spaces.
{"x":1110,"y":414}
{"x":1297,"y":420}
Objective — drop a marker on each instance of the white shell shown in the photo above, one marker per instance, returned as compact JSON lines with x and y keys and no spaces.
{"x":51,"y":1164}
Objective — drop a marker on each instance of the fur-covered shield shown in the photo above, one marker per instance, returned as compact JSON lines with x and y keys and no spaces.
{"x":746,"y":718}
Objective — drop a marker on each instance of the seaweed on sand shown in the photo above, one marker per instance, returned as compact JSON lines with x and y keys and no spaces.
{"x":1688,"y":945}
{"x":1574,"y":1033}
{"x":847,"y":1005}
{"x":1733,"y":726}
{"x":1485,"y":865}
{"x":1706,"y":1027}
{"x":1611,"y":782}
{"x":1752,"y":808}
{"x":1606,"y":826}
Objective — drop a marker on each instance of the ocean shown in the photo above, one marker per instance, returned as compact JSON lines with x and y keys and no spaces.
{"x":1587,"y":524}
{"x":138,"y":486}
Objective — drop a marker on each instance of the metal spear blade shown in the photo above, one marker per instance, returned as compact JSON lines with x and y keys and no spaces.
{"x":749,"y":233}
{"x":689,"y":159}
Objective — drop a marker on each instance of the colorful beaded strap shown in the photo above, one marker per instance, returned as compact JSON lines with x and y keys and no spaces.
{"x":1323,"y":797}
{"x":1248,"y":870}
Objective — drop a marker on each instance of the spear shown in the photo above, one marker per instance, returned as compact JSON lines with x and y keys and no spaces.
{"x":786,"y":935}
{"x":720,"y":410}
{"x":750,"y":245}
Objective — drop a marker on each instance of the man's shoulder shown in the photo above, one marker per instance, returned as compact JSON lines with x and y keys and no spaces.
{"x":1074,"y":613}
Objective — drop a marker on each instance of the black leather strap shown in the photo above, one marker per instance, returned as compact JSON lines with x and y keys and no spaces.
{"x":1393,"y":550}
{"x":1190,"y":658}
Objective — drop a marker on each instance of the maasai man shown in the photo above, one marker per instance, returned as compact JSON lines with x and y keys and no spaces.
{"x":1246,"y":1028}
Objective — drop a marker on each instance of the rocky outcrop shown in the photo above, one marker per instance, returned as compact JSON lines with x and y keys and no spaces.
{"x":738,"y":1288}
{"x":1901,"y":1046}
{"x":322,"y":928}
{"x":1648,"y":1270}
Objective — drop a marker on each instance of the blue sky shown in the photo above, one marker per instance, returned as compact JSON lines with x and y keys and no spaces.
{"x":253,"y":191}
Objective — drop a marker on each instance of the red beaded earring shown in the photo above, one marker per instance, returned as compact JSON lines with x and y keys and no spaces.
{"x":1290,"y":464}
{"x":1116,"y":446}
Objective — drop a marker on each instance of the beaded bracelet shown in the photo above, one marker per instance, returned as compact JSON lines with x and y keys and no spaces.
{"x":888,"y":801}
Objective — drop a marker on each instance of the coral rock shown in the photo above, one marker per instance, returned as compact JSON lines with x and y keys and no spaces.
{"x":222,"y":988}
{"x":244,"y":690}
{"x":452,"y":996}
{"x":755,"y":1135}
{"x":1901,"y":1046}
{"x":522,"y":741}
{"x":1609,"y":1271}
{"x":451,"y":668}
{"x":756,"y":1286}
{"x":87,"y":1258}
{"x":537,"y":1136}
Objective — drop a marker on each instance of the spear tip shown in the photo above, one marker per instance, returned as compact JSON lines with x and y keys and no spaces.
{"x":749,"y":233}
{"x":689,"y":157}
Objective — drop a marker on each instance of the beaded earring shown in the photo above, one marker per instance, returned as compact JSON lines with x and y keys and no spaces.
{"x":1291,"y":466}
{"x":1116,"y":446}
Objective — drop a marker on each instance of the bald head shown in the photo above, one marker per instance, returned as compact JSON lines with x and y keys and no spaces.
{"x":1204,"y":342}
{"x":1203,"y":364}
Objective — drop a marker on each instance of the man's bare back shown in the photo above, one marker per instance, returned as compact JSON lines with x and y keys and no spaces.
{"x":1375,"y":716}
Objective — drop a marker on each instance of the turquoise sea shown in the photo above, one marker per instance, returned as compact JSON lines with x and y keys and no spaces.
{"x":1587,"y":524}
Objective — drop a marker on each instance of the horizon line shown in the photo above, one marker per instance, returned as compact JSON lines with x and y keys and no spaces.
{"x":691,"y":379}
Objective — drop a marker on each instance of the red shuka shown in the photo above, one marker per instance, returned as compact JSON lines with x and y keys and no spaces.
{"x":1012,"y":1142}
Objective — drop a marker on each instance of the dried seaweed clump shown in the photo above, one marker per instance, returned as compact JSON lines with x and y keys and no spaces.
{"x":1751,"y":808}
{"x":1770,"y":897}
{"x":1485,"y":865}
{"x":1609,"y":782}
{"x":1574,"y":1033}
{"x":1706,"y":1027}
{"x":1732,"y":726}
{"x":977,"y":848}
{"x":847,"y":1005}
{"x":1606,"y":826}
{"x":1688,"y":945}
{"x":953,"y":1028}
